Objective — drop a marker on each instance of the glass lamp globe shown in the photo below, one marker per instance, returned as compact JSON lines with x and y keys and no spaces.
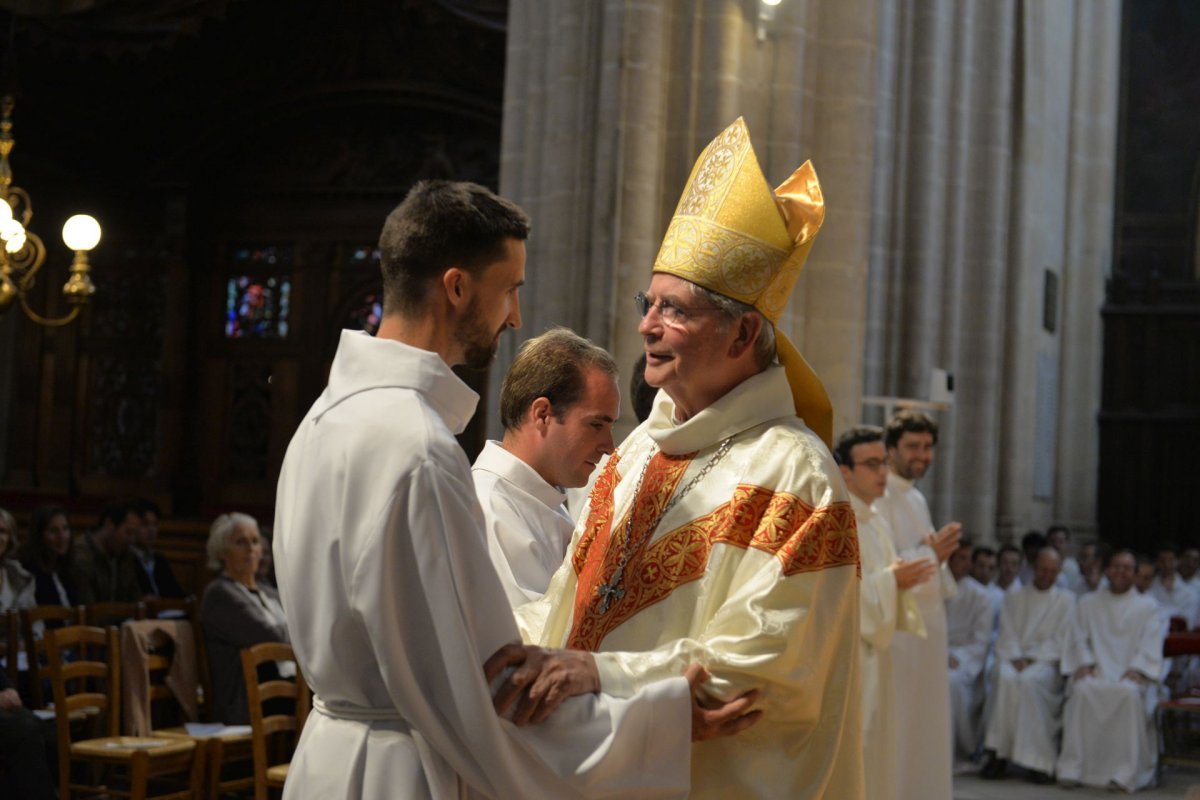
{"x":13,"y":244}
{"x":5,"y":211}
{"x":81,"y":232}
{"x":11,"y":229}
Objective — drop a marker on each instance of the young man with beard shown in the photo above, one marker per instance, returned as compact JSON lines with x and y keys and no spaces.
{"x":392,"y":602}
{"x":922,"y":681}
{"x":885,"y":603}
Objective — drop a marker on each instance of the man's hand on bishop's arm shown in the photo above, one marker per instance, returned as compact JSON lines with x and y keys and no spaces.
{"x":542,"y":678}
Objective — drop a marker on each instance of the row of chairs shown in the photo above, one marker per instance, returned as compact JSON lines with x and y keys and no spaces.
{"x":24,"y":627}
{"x":82,"y":664}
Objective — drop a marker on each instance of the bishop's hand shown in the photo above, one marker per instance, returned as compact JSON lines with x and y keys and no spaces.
{"x":712,"y":718}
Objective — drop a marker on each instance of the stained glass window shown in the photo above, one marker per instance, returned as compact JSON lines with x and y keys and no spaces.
{"x":257,"y":307}
{"x":364,"y":256}
{"x":270,"y":255}
{"x":366,"y":313}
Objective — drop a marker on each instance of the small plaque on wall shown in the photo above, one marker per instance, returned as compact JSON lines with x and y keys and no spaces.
{"x":1050,"y":302}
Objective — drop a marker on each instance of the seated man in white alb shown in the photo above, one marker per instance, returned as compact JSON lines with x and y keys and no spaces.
{"x":1113,"y":657}
{"x":1069,"y":577}
{"x":885,"y":604}
{"x":968,"y":636}
{"x":1174,"y":596}
{"x":1027,"y":709}
{"x":558,"y":403}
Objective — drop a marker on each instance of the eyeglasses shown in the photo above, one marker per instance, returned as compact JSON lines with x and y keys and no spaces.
{"x":671,"y":314}
{"x":873,"y":464}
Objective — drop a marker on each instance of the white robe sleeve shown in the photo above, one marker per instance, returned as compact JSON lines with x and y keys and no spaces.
{"x":1148,"y":658}
{"x":518,"y":555}
{"x":972,"y":653}
{"x":434,"y":612}
{"x":763,"y":636}
{"x":1008,"y":643}
{"x":1077,"y":650}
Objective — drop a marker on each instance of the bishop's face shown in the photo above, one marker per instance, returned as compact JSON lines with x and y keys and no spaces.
{"x":687,"y":343}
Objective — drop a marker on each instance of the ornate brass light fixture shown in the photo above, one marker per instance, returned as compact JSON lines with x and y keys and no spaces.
{"x":23,"y":253}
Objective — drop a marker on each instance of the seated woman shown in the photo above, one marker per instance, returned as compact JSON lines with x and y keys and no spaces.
{"x":45,"y":556}
{"x":16,"y":584}
{"x":237,"y":612}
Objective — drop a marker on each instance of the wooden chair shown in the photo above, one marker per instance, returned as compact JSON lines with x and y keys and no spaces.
{"x":90,"y":683}
{"x":33,"y":621}
{"x":101,"y":615}
{"x":10,"y":646}
{"x":1178,"y":719}
{"x":263,"y":729}
{"x":221,"y":750}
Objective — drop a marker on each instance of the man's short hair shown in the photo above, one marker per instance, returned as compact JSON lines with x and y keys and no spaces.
{"x":439,"y":225}
{"x":1166,"y":547}
{"x":859,"y":434}
{"x":554,"y":366}
{"x":908,"y":420}
{"x":641,"y":394}
{"x":116,"y":511}
{"x":147,"y":506}
{"x":1008,"y":548}
{"x":1033,"y":539}
{"x":1055,"y":528}
{"x":1117,"y":551}
{"x":764,"y":346}
{"x":982,"y":551}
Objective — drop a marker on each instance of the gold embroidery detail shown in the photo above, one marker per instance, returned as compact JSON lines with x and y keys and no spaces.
{"x":802,"y":538}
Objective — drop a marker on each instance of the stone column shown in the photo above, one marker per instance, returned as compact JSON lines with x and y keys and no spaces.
{"x":607,"y":106}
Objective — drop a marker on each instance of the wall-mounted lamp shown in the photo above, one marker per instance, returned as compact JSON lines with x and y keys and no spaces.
{"x":23,"y":252}
{"x":766,"y":16}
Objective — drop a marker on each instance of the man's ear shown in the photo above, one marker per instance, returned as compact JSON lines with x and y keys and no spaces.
{"x":749,"y":325}
{"x":456,"y":284}
{"x":846,"y":472}
{"x":541,"y":413}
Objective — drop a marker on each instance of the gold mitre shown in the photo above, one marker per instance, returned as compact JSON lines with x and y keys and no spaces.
{"x":732,"y":235}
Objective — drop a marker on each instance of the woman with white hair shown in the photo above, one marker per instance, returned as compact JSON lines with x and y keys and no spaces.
{"x":237,"y":612}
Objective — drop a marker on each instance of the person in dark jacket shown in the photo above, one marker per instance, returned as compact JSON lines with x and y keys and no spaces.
{"x":237,"y":611}
{"x":45,"y":556}
{"x":154,"y":573}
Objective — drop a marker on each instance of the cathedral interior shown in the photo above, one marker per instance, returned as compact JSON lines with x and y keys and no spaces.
{"x":1013,"y":196}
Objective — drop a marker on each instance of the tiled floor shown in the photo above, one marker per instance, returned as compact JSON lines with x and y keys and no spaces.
{"x":1175,"y":784}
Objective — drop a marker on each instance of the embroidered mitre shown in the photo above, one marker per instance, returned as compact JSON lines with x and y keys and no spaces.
{"x":732,"y":235}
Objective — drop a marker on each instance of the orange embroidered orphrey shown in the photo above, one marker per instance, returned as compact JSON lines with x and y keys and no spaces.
{"x":803,"y":538}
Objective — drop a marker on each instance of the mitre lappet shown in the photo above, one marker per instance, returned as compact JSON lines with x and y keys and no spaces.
{"x":732,"y":235}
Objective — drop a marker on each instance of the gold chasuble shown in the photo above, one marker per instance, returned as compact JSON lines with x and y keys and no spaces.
{"x":728,"y":539}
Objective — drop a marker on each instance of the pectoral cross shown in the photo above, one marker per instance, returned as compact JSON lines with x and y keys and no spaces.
{"x":611,"y":591}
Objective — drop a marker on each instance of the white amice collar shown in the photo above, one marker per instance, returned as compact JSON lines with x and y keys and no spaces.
{"x":758,"y":399}
{"x":495,"y":459}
